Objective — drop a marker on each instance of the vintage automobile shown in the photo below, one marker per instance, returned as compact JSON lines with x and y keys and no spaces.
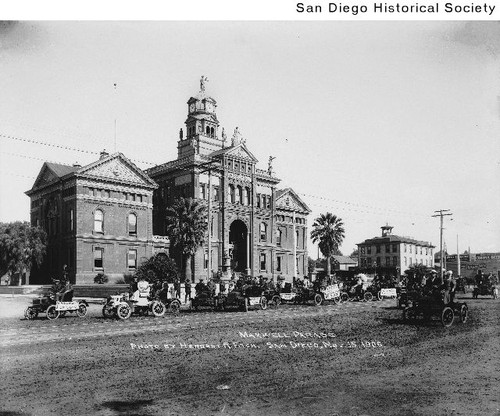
{"x":485,"y":289}
{"x":249,"y":296}
{"x":434,"y":305}
{"x":208,"y":299}
{"x":141,"y":303}
{"x":56,"y":304}
{"x":358,"y":291}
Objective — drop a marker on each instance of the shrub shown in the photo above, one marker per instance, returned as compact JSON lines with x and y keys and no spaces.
{"x":101,"y":278}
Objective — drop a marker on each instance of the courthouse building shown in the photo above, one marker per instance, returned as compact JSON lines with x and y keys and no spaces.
{"x":393,"y":253}
{"x":109,"y":216}
{"x":255,"y":228}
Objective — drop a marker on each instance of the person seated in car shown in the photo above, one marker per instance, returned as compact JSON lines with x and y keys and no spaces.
{"x":200,"y":287}
{"x":307,"y":283}
{"x":211,"y":287}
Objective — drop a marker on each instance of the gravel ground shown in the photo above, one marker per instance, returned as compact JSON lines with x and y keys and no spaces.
{"x":348,"y":359}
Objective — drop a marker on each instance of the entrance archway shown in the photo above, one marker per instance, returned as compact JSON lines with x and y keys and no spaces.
{"x":238,"y":237}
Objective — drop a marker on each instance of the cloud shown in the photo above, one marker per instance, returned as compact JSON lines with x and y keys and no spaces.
{"x":479,"y":36}
{"x":19,"y":36}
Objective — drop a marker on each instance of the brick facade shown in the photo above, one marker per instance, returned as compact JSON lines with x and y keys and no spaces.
{"x":98,"y":219}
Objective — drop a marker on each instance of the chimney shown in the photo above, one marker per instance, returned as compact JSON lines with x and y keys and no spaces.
{"x":103,"y":154}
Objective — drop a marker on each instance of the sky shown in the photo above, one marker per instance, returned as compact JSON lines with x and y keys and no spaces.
{"x":377,"y":122}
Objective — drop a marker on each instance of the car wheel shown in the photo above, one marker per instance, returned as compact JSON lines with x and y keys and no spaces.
{"x":447,"y":317}
{"x":82,"y":310}
{"x":318,"y":299}
{"x":123,"y":311}
{"x":174,"y":307}
{"x":263,"y":303}
{"x":30,"y":313}
{"x":464,"y":313}
{"x":368,"y":296}
{"x":379,"y":295}
{"x":158,"y":308}
{"x":344,"y":297}
{"x":52,"y":312}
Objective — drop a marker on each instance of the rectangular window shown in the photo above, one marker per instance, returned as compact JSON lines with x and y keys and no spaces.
{"x":203,"y":191}
{"x":411,"y":261}
{"x":378,"y":261}
{"x":369,"y":261}
{"x":216,"y":193}
{"x":377,"y":249}
{"x":268,"y":202}
{"x":362,"y":250}
{"x":394,"y":248}
{"x":98,"y":258}
{"x":262,"y":261}
{"x":278,"y":263}
{"x":387,"y":248}
{"x":132,"y":259}
{"x":205,"y":261}
{"x":394,"y":261}
{"x":71,"y":220}
{"x":132,"y":224}
{"x":387,"y":261}
{"x":405,"y":247}
{"x":368,"y":250}
{"x":263,"y":231}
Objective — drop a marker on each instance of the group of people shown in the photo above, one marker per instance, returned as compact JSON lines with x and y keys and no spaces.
{"x":437,"y":287}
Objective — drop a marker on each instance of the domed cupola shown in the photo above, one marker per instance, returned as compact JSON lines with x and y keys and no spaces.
{"x":201,"y":125}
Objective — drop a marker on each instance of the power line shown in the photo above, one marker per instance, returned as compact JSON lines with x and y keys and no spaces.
{"x":58,"y":146}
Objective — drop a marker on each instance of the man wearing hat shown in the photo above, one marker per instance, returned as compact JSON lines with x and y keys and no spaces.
{"x":448,"y":287}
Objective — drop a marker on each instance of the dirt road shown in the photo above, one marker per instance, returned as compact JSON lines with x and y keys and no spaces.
{"x":348,"y":359}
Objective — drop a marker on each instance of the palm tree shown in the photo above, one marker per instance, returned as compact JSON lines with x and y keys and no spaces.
{"x":186,"y":226}
{"x":328,"y":231}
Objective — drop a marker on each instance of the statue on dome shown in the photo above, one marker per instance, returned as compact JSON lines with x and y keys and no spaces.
{"x":202,"y":83}
{"x":181,"y":134}
{"x":270,"y":165}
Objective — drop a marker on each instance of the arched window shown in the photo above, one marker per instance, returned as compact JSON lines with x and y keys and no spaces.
{"x":263,"y":231}
{"x":279,"y":235}
{"x":247,"y":196}
{"x":98,"y":221}
{"x":297,"y":238}
{"x":132,"y":224}
{"x":208,"y":131}
{"x":239,"y":196}
{"x":231,"y":193}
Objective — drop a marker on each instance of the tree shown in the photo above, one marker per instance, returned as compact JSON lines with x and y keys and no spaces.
{"x":158,"y":268}
{"x":328,"y":231}
{"x":186,"y":227}
{"x":21,"y":247}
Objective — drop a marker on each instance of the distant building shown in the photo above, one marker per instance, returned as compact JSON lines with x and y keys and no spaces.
{"x":256,"y":228}
{"x":393,"y":253}
{"x":98,"y":218}
{"x":471,"y":263}
{"x":343,"y":263}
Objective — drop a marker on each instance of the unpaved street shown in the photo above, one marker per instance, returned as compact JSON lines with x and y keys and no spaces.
{"x":348,"y":359}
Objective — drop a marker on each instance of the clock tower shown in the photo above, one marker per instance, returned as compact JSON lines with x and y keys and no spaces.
{"x":201,"y":126}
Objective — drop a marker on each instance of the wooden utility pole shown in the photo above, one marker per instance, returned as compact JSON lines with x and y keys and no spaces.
{"x":441,"y":213}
